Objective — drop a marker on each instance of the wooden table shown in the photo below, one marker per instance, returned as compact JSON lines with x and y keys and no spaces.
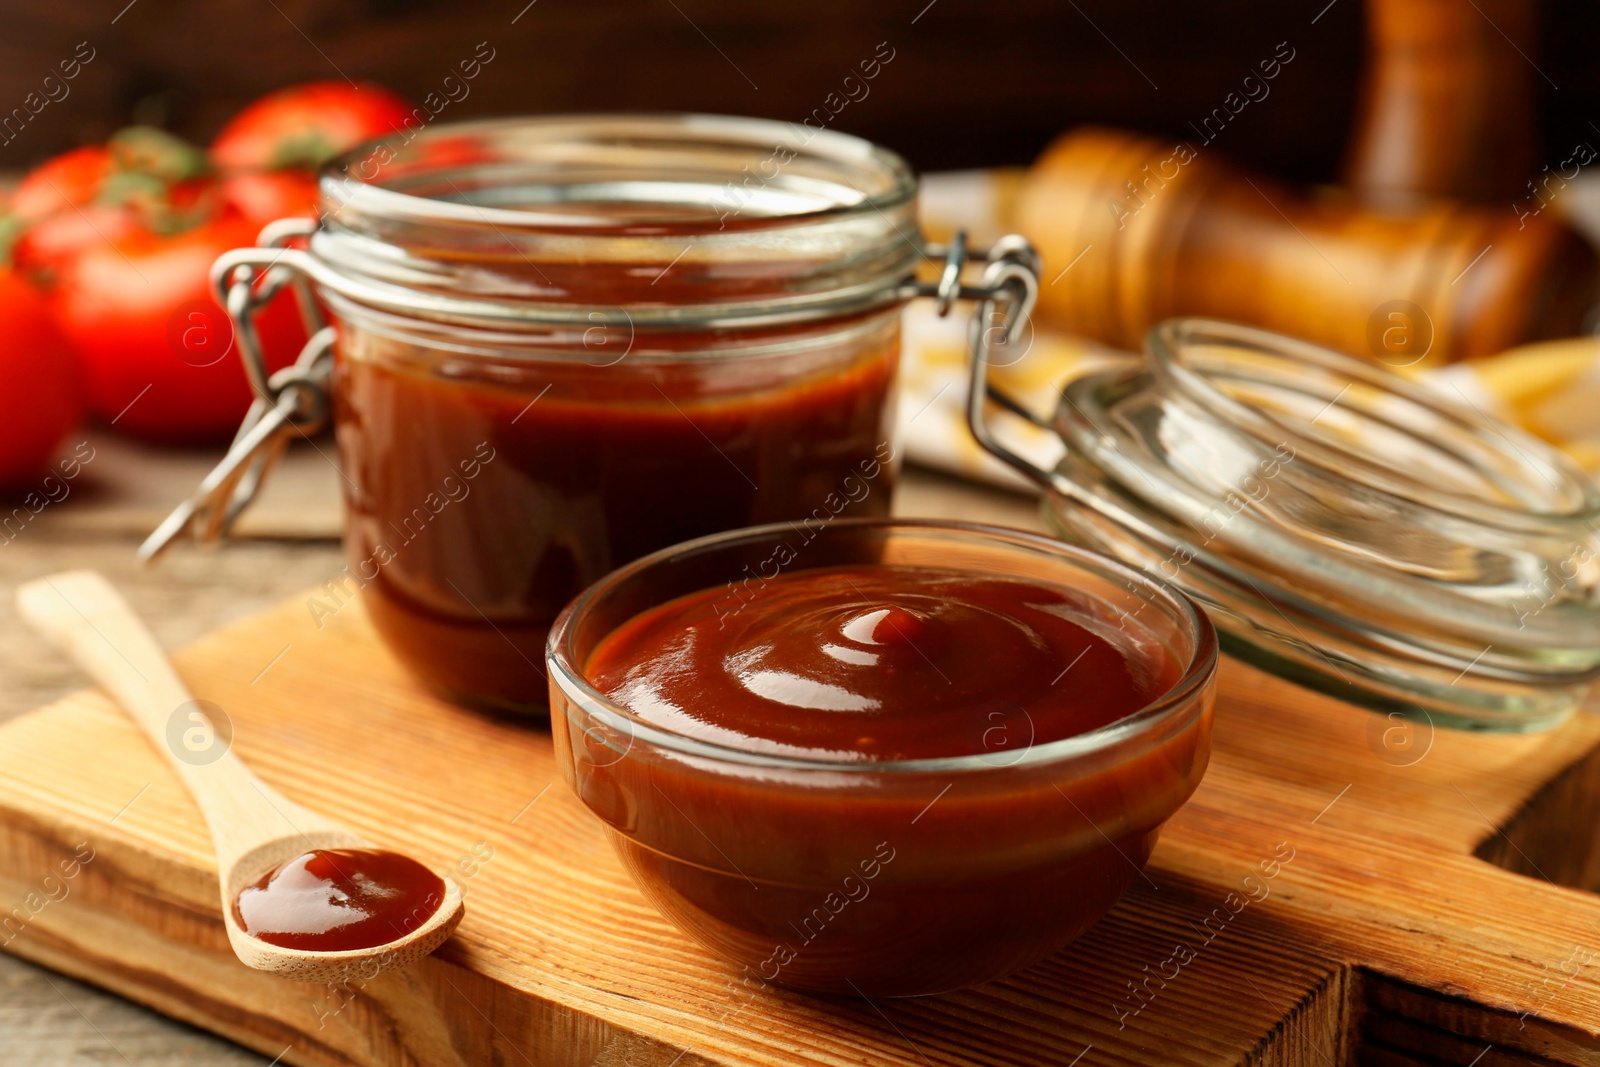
{"x":50,"y":1021}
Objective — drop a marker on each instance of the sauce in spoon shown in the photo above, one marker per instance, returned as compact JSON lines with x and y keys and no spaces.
{"x":339,"y":900}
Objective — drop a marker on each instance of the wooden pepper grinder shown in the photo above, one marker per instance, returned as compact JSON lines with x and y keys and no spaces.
{"x":1446,"y":106}
{"x":1134,"y":230}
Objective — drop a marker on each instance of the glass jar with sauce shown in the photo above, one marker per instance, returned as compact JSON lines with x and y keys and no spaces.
{"x":563,"y":343}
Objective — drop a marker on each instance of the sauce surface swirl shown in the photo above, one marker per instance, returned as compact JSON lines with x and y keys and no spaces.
{"x":879,"y":663}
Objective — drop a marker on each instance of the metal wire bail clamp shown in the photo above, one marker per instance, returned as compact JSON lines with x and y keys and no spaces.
{"x":294,"y":400}
{"x":247,"y":279}
{"x":1009,"y":285}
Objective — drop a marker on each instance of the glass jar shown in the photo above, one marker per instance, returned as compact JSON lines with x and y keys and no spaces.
{"x":563,"y":343}
{"x":1345,"y":527}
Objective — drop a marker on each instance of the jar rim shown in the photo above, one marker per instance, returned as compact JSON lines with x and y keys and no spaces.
{"x":751,"y":222}
{"x":841,"y":147}
{"x":1164,"y":711}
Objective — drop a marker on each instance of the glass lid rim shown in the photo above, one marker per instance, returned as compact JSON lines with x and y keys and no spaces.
{"x":336,"y":181}
{"x":1532,"y":456}
{"x":1148,"y":721}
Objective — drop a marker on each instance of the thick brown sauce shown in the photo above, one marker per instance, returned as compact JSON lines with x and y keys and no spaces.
{"x":478,"y":504}
{"x":879,"y":663}
{"x":339,"y":900}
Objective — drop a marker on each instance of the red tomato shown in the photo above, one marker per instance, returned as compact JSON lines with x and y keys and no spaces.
{"x":41,"y":401}
{"x":307,"y":125}
{"x":50,"y":242}
{"x":158,"y":351}
{"x":142,"y":179}
{"x":268,"y":195}
{"x":72,"y":179}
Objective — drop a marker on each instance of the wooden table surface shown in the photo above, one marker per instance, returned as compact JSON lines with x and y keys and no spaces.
{"x":50,"y":1021}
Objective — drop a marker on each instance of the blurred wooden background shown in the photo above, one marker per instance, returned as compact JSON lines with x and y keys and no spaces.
{"x":968,"y":86}
{"x":965,"y":88}
{"x":971,"y":83}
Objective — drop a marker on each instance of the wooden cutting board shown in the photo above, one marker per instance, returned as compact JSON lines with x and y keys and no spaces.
{"x":1435,"y":905}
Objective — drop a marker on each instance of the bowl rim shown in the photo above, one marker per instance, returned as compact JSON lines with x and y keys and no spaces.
{"x":1198,"y":673}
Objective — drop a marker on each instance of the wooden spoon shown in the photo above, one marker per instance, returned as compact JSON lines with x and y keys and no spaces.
{"x":253,"y":828}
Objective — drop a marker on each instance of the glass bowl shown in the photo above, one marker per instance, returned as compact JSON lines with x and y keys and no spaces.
{"x":891,"y":878}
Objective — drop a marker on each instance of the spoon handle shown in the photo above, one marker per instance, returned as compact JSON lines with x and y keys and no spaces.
{"x":83,"y":615}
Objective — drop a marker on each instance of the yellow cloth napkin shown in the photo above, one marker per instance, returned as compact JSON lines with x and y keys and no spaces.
{"x":933,"y":394}
{"x":1551,"y":389}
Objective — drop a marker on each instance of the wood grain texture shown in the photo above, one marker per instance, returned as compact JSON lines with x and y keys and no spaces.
{"x":195,"y":591}
{"x":254,"y":830}
{"x":49,"y":1020}
{"x":129,"y":487}
{"x":971,"y":84}
{"x":1384,"y":925}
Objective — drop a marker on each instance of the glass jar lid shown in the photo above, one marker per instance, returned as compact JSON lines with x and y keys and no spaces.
{"x":1347,"y":528}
